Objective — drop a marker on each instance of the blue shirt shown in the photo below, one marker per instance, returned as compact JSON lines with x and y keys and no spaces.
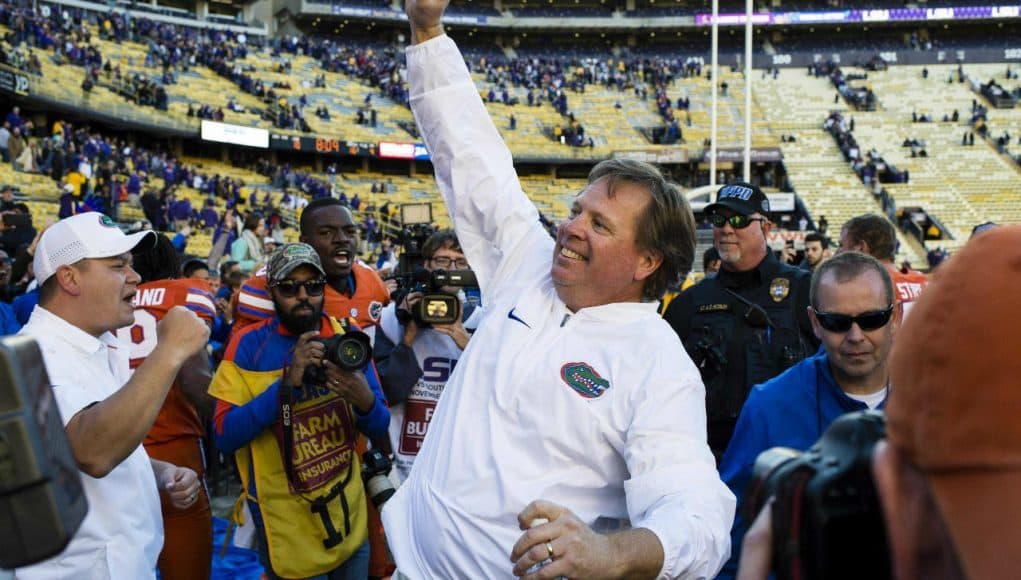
{"x":24,"y":305}
{"x":792,"y":410}
{"x":8,"y":321}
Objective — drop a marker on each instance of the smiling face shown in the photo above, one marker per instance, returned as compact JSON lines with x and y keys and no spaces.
{"x":334,"y":235}
{"x":857,"y":357}
{"x":596,"y":259}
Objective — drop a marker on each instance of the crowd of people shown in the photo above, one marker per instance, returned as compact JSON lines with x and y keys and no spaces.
{"x":563,"y":427}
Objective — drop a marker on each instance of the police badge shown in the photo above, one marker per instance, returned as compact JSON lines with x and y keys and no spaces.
{"x":779,"y":288}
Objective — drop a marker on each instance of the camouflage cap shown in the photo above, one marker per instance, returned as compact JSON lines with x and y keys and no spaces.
{"x":288,"y":257}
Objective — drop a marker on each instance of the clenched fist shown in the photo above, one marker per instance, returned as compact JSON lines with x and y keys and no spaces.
{"x":424,"y":16}
{"x":181,"y":334}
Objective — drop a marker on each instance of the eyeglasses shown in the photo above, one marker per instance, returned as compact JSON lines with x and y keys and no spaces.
{"x":444,"y":262}
{"x":842,"y":322}
{"x":736,"y":221}
{"x":289,"y":288}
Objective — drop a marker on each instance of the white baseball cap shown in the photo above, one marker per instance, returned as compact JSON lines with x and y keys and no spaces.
{"x":86,"y":235}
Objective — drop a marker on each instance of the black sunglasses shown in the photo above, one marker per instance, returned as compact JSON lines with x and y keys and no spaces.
{"x":842,"y":322}
{"x":736,"y":221}
{"x":289,"y":288}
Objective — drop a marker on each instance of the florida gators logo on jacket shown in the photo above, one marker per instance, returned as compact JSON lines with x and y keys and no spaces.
{"x":584,"y":379}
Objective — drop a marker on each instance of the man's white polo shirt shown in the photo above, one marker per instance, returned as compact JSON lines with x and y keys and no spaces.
{"x":122,"y":535}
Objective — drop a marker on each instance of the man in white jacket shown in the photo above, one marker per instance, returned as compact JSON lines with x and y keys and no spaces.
{"x":574,"y":413}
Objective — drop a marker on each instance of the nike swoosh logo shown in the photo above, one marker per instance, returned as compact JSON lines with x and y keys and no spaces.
{"x":515,"y":318}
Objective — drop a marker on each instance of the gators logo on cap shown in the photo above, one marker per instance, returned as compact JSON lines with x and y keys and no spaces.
{"x":299,"y":250}
{"x":106,"y":221}
{"x":584,"y":379}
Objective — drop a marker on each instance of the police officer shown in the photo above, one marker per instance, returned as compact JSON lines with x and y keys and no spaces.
{"x":748,"y":323}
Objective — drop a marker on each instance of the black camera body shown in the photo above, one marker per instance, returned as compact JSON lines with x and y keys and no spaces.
{"x":350,"y":351}
{"x":827,"y":521}
{"x":411,"y":239}
{"x":375,"y":466}
{"x":436,"y":306}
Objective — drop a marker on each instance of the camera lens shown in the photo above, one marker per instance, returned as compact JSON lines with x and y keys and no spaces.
{"x":352,"y":354}
{"x":350,"y":351}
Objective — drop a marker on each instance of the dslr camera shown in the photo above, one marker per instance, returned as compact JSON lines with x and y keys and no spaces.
{"x":375,"y":466}
{"x":827,"y":521}
{"x":436,"y":306}
{"x":350,"y":351}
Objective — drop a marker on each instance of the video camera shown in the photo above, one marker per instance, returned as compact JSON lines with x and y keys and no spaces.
{"x":436,"y":306}
{"x":411,"y":240}
{"x":827,"y":521}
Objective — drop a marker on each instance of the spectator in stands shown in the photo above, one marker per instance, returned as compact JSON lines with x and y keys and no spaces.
{"x":816,"y":245}
{"x":208,"y":217}
{"x":17,"y":229}
{"x":7,"y":202}
{"x":179,"y":210}
{"x":874,"y":235}
{"x":263,"y":374}
{"x":386,"y":263}
{"x":83,"y":265}
{"x":13,"y":118}
{"x":68,"y":202}
{"x":180,"y":240}
{"x":247,"y":248}
{"x":5,"y":139}
{"x":854,"y":316}
{"x":403,"y":351}
{"x":16,"y":144}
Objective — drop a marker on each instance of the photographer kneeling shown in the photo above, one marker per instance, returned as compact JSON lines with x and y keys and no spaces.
{"x":947,"y":479}
{"x":415,"y":358}
{"x":291,"y":401}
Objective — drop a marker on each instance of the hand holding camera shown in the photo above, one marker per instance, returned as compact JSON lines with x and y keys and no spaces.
{"x":406,"y":318}
{"x":350,"y":385}
{"x":456,"y":331}
{"x":308,"y":353}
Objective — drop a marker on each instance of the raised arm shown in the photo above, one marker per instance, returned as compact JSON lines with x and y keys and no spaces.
{"x":104,"y":434}
{"x":474,"y":169}
{"x":424,"y":16}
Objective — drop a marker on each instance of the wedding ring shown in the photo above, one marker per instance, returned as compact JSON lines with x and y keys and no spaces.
{"x":549,"y":549}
